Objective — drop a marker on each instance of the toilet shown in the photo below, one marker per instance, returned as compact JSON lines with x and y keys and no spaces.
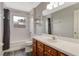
{"x":28,"y":47}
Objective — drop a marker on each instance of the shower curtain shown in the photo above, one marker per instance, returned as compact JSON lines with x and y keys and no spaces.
{"x":6,"y":33}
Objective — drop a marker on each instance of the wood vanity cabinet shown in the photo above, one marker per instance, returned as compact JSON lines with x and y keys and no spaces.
{"x":40,"y":49}
{"x":37,"y":48}
{"x":34,"y":47}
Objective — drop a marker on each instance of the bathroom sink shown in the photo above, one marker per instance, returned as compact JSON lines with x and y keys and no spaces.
{"x":51,"y":39}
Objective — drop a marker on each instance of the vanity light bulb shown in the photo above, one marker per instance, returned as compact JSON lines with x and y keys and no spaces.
{"x":49,"y":6}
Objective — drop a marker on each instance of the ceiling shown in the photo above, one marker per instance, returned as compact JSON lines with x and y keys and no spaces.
{"x":23,"y":6}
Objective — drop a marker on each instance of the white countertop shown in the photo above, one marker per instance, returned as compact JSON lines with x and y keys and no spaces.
{"x":67,"y":47}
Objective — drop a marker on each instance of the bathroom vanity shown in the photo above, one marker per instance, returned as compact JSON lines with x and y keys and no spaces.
{"x":45,"y":46}
{"x":40,"y":49}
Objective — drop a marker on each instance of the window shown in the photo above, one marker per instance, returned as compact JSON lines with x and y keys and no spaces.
{"x":19,"y":22}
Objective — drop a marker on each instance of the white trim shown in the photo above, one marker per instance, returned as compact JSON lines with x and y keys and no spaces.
{"x":76,"y":24}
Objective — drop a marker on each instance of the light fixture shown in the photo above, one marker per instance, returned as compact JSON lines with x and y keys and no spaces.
{"x":52,"y":5}
{"x":49,"y":7}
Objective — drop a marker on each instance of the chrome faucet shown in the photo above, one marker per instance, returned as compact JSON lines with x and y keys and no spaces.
{"x":53,"y":38}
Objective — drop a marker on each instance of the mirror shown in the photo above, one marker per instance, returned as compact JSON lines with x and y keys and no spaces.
{"x":64,"y":22}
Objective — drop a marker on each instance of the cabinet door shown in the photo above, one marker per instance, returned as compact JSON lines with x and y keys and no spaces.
{"x":47,"y":51}
{"x":50,"y":51}
{"x":40,"y":48}
{"x":34,"y":47}
{"x":61,"y":54}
